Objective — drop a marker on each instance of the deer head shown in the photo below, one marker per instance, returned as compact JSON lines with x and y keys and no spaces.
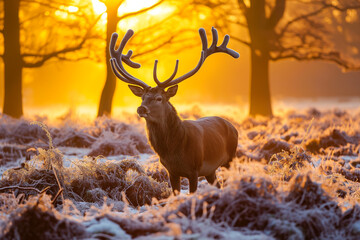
{"x":155,"y":100}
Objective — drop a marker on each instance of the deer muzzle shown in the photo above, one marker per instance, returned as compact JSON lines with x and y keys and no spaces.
{"x":143,"y":111}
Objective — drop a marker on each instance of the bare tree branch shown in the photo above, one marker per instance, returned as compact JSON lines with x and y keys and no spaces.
{"x":131,"y":14}
{"x":115,"y":3}
{"x":53,"y":5}
{"x":209,"y":4}
{"x":57,"y":54}
{"x":324,"y":6}
{"x":241,"y":41}
{"x":44,"y":4}
{"x":344,"y":8}
{"x":31,"y":18}
{"x":277,"y":13}
{"x":45,"y":57}
{"x":64,"y":58}
{"x":301,"y":17}
{"x":310,"y":42}
{"x":331,"y":56}
{"x":20,"y":188}
{"x":243,"y":7}
{"x":237,"y":22}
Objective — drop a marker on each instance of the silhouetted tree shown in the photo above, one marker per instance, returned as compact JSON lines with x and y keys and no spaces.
{"x":35,"y":31}
{"x":285,"y":29}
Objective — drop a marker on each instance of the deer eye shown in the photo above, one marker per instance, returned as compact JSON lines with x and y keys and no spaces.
{"x":158,"y":99}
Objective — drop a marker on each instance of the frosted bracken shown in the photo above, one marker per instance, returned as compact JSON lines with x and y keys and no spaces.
{"x":296,"y":176}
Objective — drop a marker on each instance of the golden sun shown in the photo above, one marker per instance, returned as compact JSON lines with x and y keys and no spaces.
{"x":130,"y":6}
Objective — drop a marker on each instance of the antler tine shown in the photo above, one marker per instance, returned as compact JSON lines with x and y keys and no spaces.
{"x":187,"y":75}
{"x":163,"y":84}
{"x":204,"y":54}
{"x":215,"y":38}
{"x":229,"y":51}
{"x":117,"y":74}
{"x":116,"y":67}
{"x":222,"y":48}
{"x":154,"y":73}
{"x":128,"y":61}
{"x":203,"y":38}
{"x":118,"y":57}
{"x":225,"y":42}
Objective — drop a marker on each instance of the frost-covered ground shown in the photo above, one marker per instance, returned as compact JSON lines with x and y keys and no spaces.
{"x":296,"y":176}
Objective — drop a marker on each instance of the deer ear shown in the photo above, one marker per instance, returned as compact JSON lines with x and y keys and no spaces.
{"x":171,"y":91}
{"x":137,"y":91}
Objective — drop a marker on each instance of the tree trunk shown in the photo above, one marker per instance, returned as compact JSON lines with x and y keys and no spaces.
{"x":12,"y":60}
{"x":260,"y":101}
{"x":110,"y":83}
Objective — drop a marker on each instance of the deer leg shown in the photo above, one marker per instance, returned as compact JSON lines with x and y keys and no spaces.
{"x":175,"y":183}
{"x":193,"y":181}
{"x":211,"y":179}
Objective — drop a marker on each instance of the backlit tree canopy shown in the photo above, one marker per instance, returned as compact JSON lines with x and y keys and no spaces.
{"x":65,"y":28}
{"x":35,"y":31}
{"x":291,"y":29}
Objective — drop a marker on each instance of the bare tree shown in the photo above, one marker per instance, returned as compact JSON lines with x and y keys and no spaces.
{"x":36,"y":31}
{"x":285,"y":29}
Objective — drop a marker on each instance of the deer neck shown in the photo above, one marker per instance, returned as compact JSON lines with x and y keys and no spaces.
{"x":166,"y":135}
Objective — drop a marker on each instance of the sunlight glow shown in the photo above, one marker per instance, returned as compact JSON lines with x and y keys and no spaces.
{"x":73,"y":9}
{"x":64,"y":11}
{"x":351,"y":16}
{"x":98,"y":6}
{"x":61,"y":14}
{"x":135,"y":5}
{"x":138,"y":21}
{"x":141,"y":21}
{"x":202,"y":16}
{"x":247,"y":3}
{"x":162,"y":10}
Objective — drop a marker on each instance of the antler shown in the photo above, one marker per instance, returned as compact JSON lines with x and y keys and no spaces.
{"x":204,"y":54}
{"x":117,"y":58}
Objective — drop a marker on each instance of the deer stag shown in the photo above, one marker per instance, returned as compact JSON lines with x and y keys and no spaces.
{"x":186,"y":148}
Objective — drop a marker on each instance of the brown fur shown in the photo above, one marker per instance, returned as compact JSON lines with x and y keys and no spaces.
{"x":188,"y":148}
